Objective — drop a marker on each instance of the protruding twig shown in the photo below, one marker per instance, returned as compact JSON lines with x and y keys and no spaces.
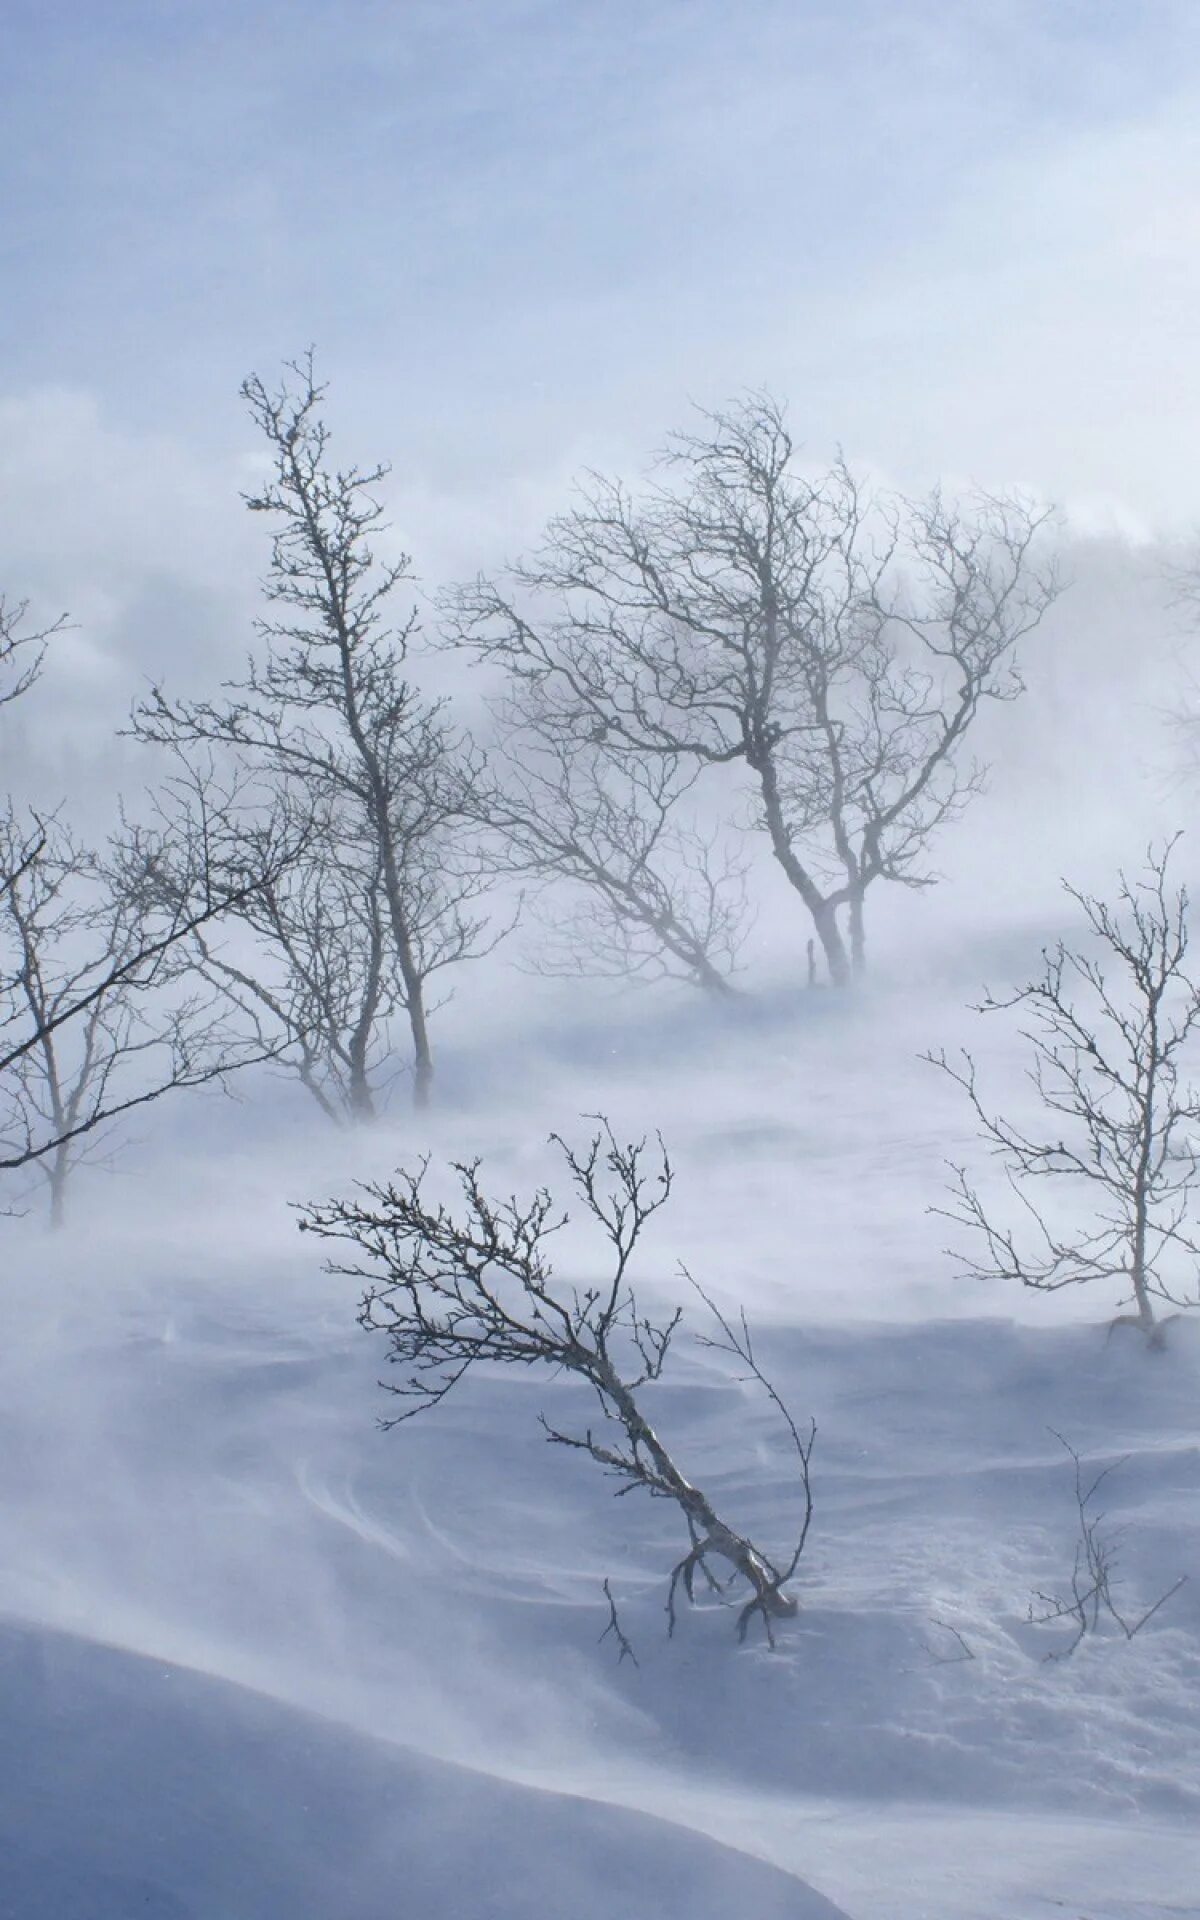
{"x":1093,"y":1572}
{"x":740,"y":1344}
{"x":625,"y":1650}
{"x":965,"y":1652}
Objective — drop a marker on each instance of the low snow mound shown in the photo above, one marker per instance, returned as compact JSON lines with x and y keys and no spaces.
{"x":132,"y":1787}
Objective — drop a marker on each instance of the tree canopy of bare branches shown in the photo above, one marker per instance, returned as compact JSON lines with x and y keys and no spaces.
{"x":327,"y":721}
{"x":741,"y":611}
{"x":22,"y":648}
{"x":96,"y":1018}
{"x":1107,"y":1028}
{"x":449,"y":1290}
{"x":306,"y":962}
{"x":631,"y":889}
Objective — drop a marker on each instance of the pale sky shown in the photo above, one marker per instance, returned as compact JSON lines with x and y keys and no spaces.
{"x":524,"y":234}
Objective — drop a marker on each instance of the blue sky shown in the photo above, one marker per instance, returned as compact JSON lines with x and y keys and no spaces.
{"x":524,"y":235}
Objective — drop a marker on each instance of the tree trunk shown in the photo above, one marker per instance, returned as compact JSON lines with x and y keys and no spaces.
{"x":713,"y":981}
{"x":1141,"y":1292}
{"x":824,"y":915}
{"x":58,"y":1171}
{"x":706,"y":1526}
{"x":858,"y":944}
{"x":389,"y":869}
{"x":362,"y":1102}
{"x":414,"y":984}
{"x":1141,"y":1194}
{"x":422,"y":1055}
{"x":832,"y":945}
{"x":362,"y":1099}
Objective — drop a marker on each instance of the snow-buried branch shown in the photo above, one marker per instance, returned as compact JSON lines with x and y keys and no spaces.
{"x":450,"y":1289}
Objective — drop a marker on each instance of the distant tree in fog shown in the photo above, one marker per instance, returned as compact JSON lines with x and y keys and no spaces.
{"x":1107,"y":1027}
{"x":450,"y":1289}
{"x":306,"y":963}
{"x":328,"y":723}
{"x":745,"y":612}
{"x":321,"y":975}
{"x":625,"y":885}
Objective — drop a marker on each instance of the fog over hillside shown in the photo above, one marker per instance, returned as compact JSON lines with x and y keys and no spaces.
{"x":729,"y":560}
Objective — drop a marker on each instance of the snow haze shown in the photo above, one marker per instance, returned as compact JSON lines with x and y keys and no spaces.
{"x":259,"y":1658}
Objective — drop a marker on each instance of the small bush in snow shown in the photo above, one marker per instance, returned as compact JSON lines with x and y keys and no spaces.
{"x":450,"y":1289}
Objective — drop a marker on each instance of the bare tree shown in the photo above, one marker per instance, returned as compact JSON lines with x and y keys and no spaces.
{"x":835,"y":647}
{"x":1093,"y":1586}
{"x":448,"y":1291}
{"x":95,"y":1016}
{"x":630,"y":889}
{"x":1106,"y":1028}
{"x":327,"y":717}
{"x":306,"y":963}
{"x":330,"y":992}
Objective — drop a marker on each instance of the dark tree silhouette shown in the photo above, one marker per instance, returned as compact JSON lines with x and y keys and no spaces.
{"x":327,"y":718}
{"x":1106,"y":1027}
{"x":449,"y":1290}
{"x":744,"y":612}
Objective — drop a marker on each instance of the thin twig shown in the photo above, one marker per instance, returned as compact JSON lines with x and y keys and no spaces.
{"x":625,"y":1649}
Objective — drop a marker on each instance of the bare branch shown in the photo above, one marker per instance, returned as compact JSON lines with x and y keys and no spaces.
{"x":1106,"y":1028}
{"x":625,"y":1650}
{"x":96,"y":1018}
{"x":1092,"y":1595}
{"x":448,"y":1290}
{"x":22,"y":649}
{"x":326,"y":722}
{"x":742,"y":611}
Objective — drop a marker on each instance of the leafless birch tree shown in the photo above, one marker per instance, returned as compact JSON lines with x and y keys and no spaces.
{"x":307,"y":963}
{"x":317,"y":974}
{"x":326,"y":716}
{"x":627,"y":886}
{"x":449,"y":1290}
{"x":744,"y":612}
{"x":1107,"y":1028}
{"x":96,"y":1017}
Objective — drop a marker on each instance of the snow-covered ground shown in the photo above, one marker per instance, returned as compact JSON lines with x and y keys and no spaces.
{"x":259,"y":1658}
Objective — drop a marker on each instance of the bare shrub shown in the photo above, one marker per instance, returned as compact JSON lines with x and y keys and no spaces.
{"x":1092,"y":1595}
{"x":1106,"y":1027}
{"x":448,"y":1290}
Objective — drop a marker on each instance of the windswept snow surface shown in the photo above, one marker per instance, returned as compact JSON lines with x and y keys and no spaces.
{"x":201,"y":1800}
{"x":263,"y":1659}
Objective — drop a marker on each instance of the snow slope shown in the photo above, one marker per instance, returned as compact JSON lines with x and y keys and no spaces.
{"x":261,"y":1654}
{"x":201,"y":1799}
